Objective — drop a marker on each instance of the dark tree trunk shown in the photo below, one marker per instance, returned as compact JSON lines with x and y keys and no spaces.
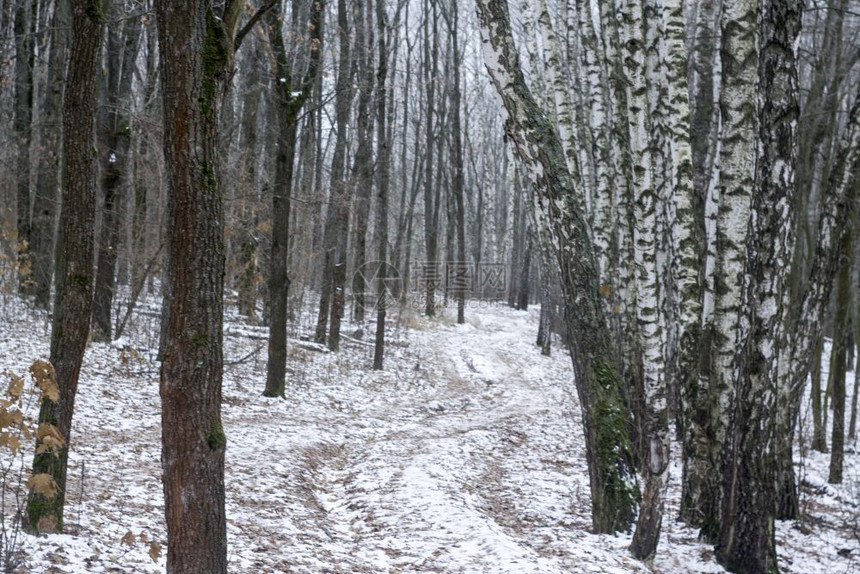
{"x":516,"y":242}
{"x":431,"y":207}
{"x":287,"y":107}
{"x":525,"y":275}
{"x":194,"y":60}
{"x":382,"y":187}
{"x":142,"y":164}
{"x":407,"y":200}
{"x":819,"y":442}
{"x":74,"y":300}
{"x":196,"y":50}
{"x":24,"y":27}
{"x":46,"y":198}
{"x":547,"y":304}
{"x":114,"y":144}
{"x":806,"y":335}
{"x":841,"y":341}
{"x":821,"y":109}
{"x":247,"y":202}
{"x":459,"y":176}
{"x":698,"y":497}
{"x":337,"y":211}
{"x":362,"y":167}
{"x":852,"y":426}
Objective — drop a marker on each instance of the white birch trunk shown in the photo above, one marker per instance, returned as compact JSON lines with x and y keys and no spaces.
{"x":747,"y":530}
{"x":722,"y":303}
{"x":654,"y":437}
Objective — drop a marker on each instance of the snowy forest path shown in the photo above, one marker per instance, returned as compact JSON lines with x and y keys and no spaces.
{"x":460,"y":459}
{"x":463,"y":455}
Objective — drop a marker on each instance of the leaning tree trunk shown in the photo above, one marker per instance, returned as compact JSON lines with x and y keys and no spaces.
{"x":804,"y":354}
{"x":74,"y":299}
{"x":608,"y":451}
{"x":816,"y":128}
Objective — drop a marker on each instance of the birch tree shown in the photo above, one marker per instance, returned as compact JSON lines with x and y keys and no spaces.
{"x":696,"y":262}
{"x":596,"y":371}
{"x":653,"y":423}
{"x":732,"y":199}
{"x":747,"y":529}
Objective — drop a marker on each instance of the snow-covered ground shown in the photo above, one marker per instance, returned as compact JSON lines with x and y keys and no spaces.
{"x":464,"y":455}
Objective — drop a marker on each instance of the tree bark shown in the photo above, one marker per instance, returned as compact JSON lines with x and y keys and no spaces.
{"x":114,"y":141}
{"x":747,"y":531}
{"x":337,"y":211}
{"x":806,"y":327}
{"x":73,"y":306}
{"x":248,"y":201}
{"x":722,"y":302}
{"x":524,"y":278}
{"x":382,"y":155}
{"x":651,"y":385}
{"x":46,"y":195}
{"x":431,"y":207}
{"x":288,"y":105}
{"x":362,"y":170}
{"x":457,"y":152}
{"x":197,"y":46}
{"x":841,"y":342}
{"x":608,"y":451}
{"x":819,"y":441}
{"x":24,"y":28}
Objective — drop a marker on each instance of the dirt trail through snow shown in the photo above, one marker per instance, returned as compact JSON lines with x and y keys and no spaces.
{"x":468,"y":463}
